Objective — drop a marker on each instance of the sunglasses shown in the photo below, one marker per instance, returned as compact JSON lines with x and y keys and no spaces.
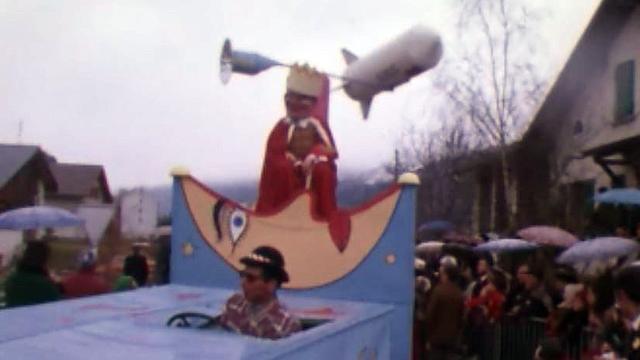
{"x":249,"y":277}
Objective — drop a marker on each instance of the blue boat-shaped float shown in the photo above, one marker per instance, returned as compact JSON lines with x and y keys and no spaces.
{"x":357,"y":303}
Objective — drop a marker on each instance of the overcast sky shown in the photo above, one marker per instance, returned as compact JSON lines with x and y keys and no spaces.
{"x":133,"y":84}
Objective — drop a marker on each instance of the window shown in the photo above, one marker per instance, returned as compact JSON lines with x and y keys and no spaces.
{"x":625,"y":86}
{"x":578,"y":128}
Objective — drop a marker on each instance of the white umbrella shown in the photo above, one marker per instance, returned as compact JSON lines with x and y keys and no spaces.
{"x":38,"y":217}
{"x":603,"y":248}
{"x":429,"y":247}
{"x":505,"y":245}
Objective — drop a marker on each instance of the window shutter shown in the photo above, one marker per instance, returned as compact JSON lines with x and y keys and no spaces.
{"x":625,"y":84}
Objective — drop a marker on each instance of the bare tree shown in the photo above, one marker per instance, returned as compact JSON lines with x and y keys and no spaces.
{"x":492,"y":83}
{"x":436,"y":156}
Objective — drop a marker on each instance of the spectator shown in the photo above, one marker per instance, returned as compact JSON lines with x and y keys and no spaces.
{"x":491,"y":298}
{"x":30,"y":284}
{"x":444,"y":315}
{"x":533,"y":301}
{"x":135,"y":265}
{"x":571,"y":317}
{"x":85,"y":282}
{"x":627,"y":293}
{"x":483,"y":266}
{"x":483,"y":310}
{"x":256,"y":311}
{"x":603,"y":317}
{"x":563,"y":276}
{"x":422,"y":288}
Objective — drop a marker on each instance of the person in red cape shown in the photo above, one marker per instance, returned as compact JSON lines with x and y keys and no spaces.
{"x":300,"y":154}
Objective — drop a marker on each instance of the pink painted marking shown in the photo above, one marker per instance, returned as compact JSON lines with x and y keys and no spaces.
{"x":111,"y":307}
{"x":319,"y":312}
{"x":188,"y":296}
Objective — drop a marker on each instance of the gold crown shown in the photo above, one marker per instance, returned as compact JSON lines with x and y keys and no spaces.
{"x":304,"y":80}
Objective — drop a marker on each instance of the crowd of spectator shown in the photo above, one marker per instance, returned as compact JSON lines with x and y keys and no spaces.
{"x":461,"y":303}
{"x":31,"y":283}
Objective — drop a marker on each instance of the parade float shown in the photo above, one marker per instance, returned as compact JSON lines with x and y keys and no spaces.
{"x":354,"y":294}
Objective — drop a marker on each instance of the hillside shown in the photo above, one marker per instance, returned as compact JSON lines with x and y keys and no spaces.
{"x":353,"y":189}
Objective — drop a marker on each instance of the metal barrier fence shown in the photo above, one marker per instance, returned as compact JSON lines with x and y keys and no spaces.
{"x":513,"y":339}
{"x":507,"y":339}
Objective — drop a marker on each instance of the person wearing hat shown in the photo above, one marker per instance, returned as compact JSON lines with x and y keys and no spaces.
{"x":256,"y":311}
{"x":300,"y":154}
{"x":85,"y":282}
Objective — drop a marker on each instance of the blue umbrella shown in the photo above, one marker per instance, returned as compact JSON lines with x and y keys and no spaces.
{"x":436,"y":225}
{"x":504,"y":245}
{"x":629,"y":196}
{"x":598,"y":249}
{"x":38,"y":217}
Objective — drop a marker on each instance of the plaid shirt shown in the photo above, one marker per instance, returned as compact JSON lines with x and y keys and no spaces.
{"x":271,"y":321}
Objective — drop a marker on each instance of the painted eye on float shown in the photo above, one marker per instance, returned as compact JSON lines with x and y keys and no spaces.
{"x":237,"y":224}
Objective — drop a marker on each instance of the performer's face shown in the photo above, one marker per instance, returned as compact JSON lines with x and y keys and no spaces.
{"x":255,"y":287}
{"x":298,"y":106}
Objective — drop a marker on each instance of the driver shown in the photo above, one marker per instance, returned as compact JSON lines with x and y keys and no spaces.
{"x":256,"y":311}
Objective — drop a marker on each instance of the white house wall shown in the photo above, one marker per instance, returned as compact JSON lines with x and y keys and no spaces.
{"x":139,"y":213}
{"x":595,"y":108}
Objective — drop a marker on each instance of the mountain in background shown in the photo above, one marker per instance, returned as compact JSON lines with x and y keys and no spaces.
{"x":354,"y":188}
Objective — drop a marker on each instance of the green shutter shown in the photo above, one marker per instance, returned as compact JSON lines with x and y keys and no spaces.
{"x":625,"y":84}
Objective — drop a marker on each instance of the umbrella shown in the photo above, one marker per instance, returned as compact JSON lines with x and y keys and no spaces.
{"x":454,"y":237}
{"x":436,"y":225}
{"x":548,"y":235}
{"x":629,"y":196}
{"x":598,"y":249}
{"x":38,"y":217}
{"x":504,"y":245}
{"x":429,"y":247}
{"x":460,"y":251}
{"x":436,"y":248}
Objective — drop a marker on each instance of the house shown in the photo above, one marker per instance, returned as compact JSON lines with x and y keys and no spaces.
{"x":585,"y":135}
{"x":82,"y":189}
{"x":25,"y":176}
{"x":78,"y":184}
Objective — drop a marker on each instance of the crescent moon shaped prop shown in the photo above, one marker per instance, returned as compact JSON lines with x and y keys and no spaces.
{"x":311,"y":257}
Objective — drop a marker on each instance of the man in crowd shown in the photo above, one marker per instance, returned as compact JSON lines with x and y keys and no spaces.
{"x":483,"y":266}
{"x":533,"y":300}
{"x":444,"y":315}
{"x":256,"y":311}
{"x":301,"y":153}
{"x":135,"y":265}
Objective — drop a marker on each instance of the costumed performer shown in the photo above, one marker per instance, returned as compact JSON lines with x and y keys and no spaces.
{"x":301,"y":153}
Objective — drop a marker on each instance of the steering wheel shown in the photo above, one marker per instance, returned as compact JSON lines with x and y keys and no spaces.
{"x":193,"y":320}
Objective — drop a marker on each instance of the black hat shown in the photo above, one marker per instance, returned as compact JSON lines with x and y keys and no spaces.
{"x":270,"y":260}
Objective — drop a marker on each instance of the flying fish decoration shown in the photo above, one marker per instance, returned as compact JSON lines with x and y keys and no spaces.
{"x":386,"y":67}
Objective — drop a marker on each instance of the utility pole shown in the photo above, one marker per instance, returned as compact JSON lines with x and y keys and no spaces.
{"x":20,"y":123}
